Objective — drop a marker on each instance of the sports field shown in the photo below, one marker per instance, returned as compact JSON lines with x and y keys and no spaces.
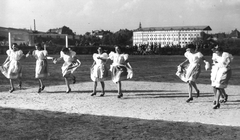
{"x":153,"y":105}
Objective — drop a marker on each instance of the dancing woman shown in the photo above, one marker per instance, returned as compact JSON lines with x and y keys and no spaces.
{"x":120,"y":68}
{"x":71,"y":63}
{"x":190,"y":72}
{"x":12,"y":68}
{"x":221,"y":73}
{"x":99,"y":70}
{"x":41,"y":69}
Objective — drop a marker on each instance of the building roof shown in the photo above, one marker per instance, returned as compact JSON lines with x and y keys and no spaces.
{"x":207,"y":28}
{"x":14,"y":29}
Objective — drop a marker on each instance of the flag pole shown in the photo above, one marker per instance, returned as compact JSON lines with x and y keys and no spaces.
{"x":9,"y":41}
{"x":66,"y":41}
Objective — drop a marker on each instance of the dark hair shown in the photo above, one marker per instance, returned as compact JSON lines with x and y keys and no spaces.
{"x":39,"y":46}
{"x":191,"y":46}
{"x":65,"y":50}
{"x":15,"y":44}
{"x":217,"y":48}
{"x":119,"y":47}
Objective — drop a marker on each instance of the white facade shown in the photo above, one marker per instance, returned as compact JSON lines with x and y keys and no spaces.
{"x":168,"y":36}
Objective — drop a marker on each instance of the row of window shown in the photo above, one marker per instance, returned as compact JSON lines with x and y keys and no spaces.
{"x":151,"y":35}
{"x":175,"y":39}
{"x":162,"y":42}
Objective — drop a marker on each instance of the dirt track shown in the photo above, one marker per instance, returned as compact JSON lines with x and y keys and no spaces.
{"x":144,"y":100}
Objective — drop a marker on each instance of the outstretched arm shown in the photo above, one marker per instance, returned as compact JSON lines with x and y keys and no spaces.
{"x":184,"y":62}
{"x":128,"y":64}
{"x":94,"y":62}
{"x":55,"y":60}
{"x":207,"y":64}
{"x":204,"y":60}
{"x":28,"y":54}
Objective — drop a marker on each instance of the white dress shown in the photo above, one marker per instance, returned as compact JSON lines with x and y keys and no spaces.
{"x":119,"y":69}
{"x":41,"y":69}
{"x":221,"y":71}
{"x":12,"y":69}
{"x":99,"y":70}
{"x":70,"y":63}
{"x":191,"y":71}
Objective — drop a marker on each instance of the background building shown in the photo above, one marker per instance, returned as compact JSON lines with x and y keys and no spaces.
{"x":26,"y":37}
{"x":19,"y":36}
{"x":168,"y":36}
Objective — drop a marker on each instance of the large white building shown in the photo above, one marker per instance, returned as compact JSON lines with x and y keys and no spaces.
{"x":168,"y":36}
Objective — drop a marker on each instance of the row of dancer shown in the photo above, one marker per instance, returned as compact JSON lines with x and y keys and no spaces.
{"x":120,"y":68}
{"x":189,"y":70}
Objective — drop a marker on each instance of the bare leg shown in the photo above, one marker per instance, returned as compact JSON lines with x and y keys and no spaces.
{"x":224,"y":94}
{"x":73,"y":78}
{"x":190,"y":98}
{"x":11,"y":85}
{"x":94,"y":88}
{"x":67,"y":84}
{"x":41,"y":86}
{"x":217,"y":99}
{"x":194,"y":86}
{"x":215,"y":95}
{"x":40,"y":83}
{"x":20,"y":83}
{"x":214,"y":91}
{"x":189,"y":90}
{"x":120,"y":89}
{"x":103,"y":88}
{"x":218,"y":96}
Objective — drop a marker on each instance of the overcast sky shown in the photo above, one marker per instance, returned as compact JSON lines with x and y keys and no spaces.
{"x":86,"y":15}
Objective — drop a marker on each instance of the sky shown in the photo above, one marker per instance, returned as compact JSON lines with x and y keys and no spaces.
{"x":87,"y":15}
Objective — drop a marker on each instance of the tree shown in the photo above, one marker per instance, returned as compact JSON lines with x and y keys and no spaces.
{"x":123,"y":37}
{"x":66,"y":30}
{"x":2,"y":38}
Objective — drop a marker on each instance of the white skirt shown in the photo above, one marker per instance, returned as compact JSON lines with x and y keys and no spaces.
{"x":189,"y":72}
{"x":41,"y":69}
{"x":120,"y":73}
{"x":69,"y":67}
{"x":221,"y":76}
{"x":98,"y":72}
{"x":12,"y":69}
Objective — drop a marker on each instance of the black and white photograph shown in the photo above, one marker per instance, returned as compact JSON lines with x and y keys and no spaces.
{"x":119,"y":69}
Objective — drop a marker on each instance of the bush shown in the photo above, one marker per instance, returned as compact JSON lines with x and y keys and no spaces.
{"x":129,"y":50}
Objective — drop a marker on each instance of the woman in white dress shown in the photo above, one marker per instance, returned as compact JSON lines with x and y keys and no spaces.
{"x":99,"y":70}
{"x":12,"y":68}
{"x":41,"y":69}
{"x":71,"y":63}
{"x":221,"y":73}
{"x":190,"y":72}
{"x":120,"y":68}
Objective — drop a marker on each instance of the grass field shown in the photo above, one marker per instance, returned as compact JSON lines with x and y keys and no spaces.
{"x":154,"y":68}
{"x":55,"y":115}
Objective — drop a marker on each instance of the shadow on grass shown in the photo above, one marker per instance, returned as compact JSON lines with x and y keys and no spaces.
{"x":167,"y":95}
{"x":147,"y":93}
{"x":24,"y":124}
{"x":234,"y":101}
